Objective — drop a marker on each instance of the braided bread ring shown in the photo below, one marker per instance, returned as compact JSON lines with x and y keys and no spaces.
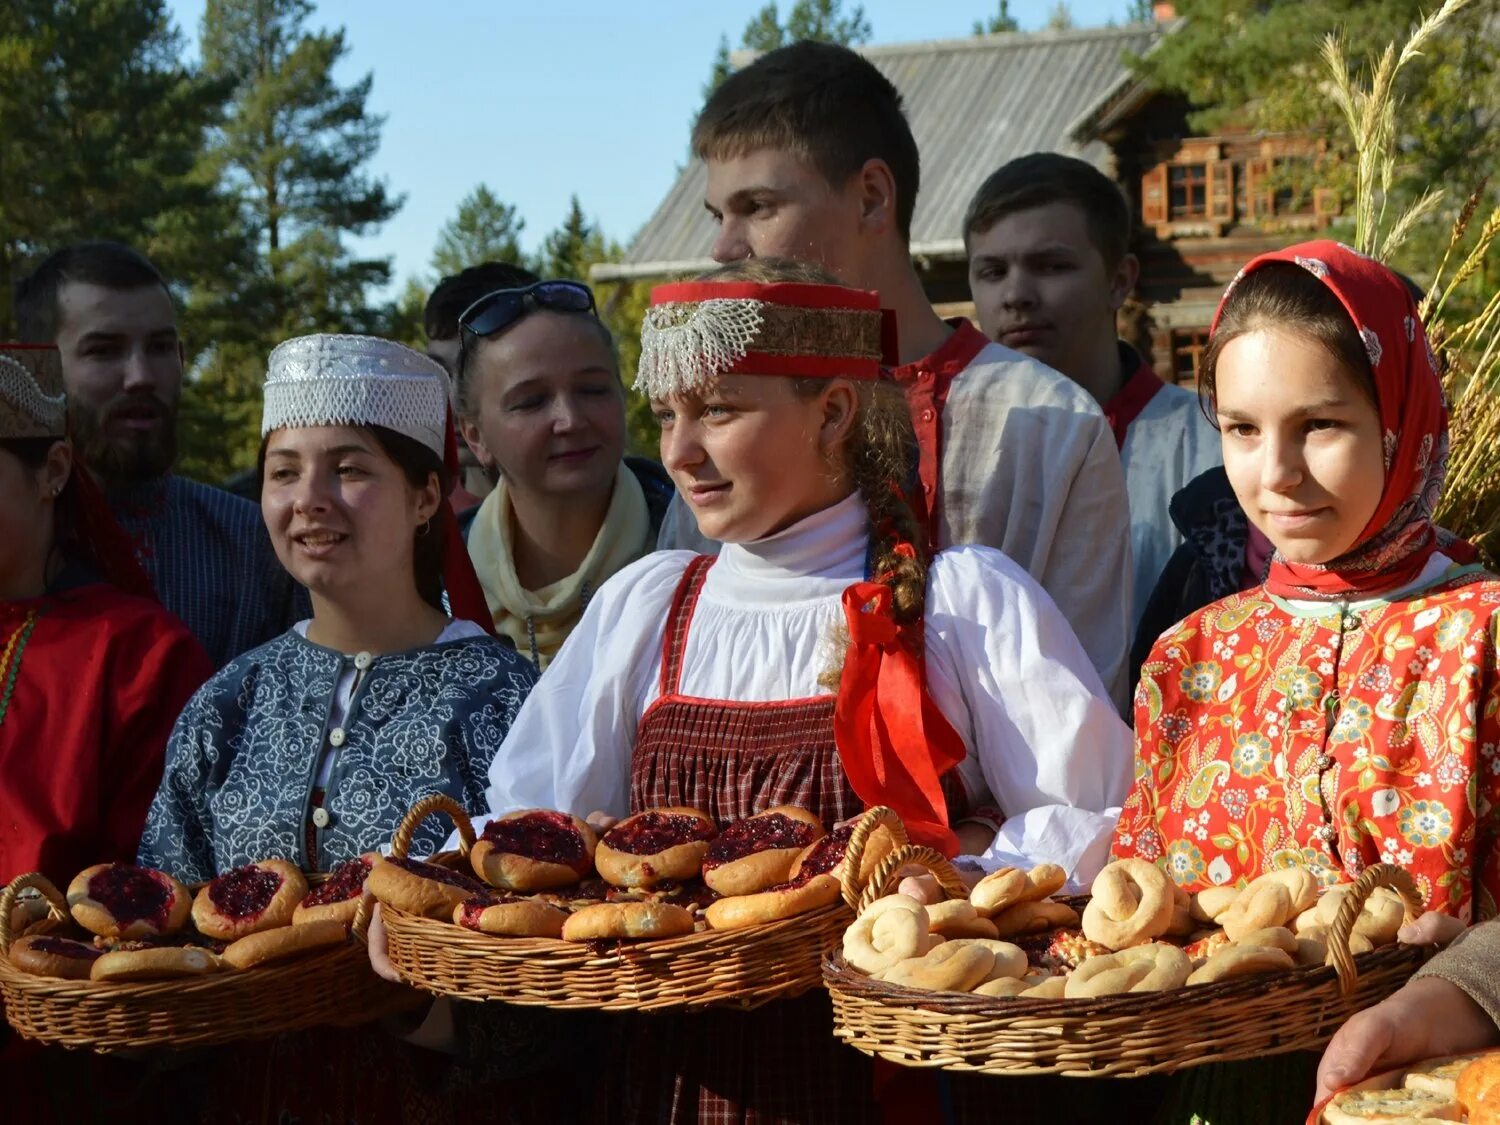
{"x":1141,"y":968}
{"x":1240,"y":961}
{"x":951,"y":967}
{"x":1010,"y":960}
{"x":886,"y":934}
{"x":1211,"y":902}
{"x":1132,"y":904}
{"x":1258,"y":908}
{"x":1033,"y":918}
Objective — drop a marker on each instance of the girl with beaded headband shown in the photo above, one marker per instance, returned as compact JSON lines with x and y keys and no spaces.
{"x":92,"y":669}
{"x":1347,"y":711}
{"x":820,"y":661}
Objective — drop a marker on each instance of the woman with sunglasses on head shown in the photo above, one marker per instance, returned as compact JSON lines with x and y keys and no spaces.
{"x":1347,"y":711}
{"x":541,"y":400}
{"x":818,"y":644}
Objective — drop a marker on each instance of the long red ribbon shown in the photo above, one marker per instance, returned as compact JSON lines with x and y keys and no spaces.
{"x":893,"y":742}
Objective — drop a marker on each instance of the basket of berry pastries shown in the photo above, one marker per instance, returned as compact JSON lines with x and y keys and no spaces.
{"x":132,"y":958}
{"x":664,"y":910}
{"x":1136,"y":978}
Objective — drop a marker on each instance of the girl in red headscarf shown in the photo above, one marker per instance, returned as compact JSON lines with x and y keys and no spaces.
{"x":1347,"y":712}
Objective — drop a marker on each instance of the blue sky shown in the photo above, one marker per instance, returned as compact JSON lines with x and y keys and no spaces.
{"x":544,"y":99}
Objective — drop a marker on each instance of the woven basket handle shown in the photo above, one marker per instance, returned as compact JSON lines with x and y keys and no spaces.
{"x":1379,"y":875}
{"x":887,"y":869}
{"x":57,"y":907}
{"x":854,"y":854}
{"x":436,"y":802}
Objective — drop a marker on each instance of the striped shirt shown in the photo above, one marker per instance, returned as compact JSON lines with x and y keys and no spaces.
{"x":210,"y":559}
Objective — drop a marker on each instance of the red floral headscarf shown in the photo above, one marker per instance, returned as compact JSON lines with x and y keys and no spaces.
{"x":1401,"y":536}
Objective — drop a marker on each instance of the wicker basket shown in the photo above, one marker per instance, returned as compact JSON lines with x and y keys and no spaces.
{"x":1133,"y":1034}
{"x":735,"y":968}
{"x":334,"y":987}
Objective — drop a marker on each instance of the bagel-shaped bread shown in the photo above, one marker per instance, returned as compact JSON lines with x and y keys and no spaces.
{"x":47,"y":956}
{"x":1010,"y":960}
{"x":164,"y":962}
{"x":786,"y":900}
{"x":1156,"y":967}
{"x":1033,"y":918}
{"x":1301,"y":886}
{"x":121,"y":900}
{"x":1132,"y":904}
{"x":627,"y":921}
{"x":534,"y":850}
{"x":888,"y":932}
{"x":258,"y":896}
{"x":1002,"y":889}
{"x":1258,"y":908}
{"x":1053,"y":988}
{"x":1209,"y":903}
{"x":1183,"y":923}
{"x":655,"y":846}
{"x":758,"y":852}
{"x":506,"y":916}
{"x":1369,"y":1107}
{"x":283,"y":943}
{"x":1241,"y":961}
{"x":951,"y":967}
{"x":1272,"y":937}
{"x":337,"y":897}
{"x":418,"y":887}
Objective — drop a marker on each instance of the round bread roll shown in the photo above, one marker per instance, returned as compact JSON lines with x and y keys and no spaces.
{"x":283,"y":943}
{"x":786,"y":900}
{"x":121,"y":900}
{"x":1132,"y":904}
{"x":1241,"y":961}
{"x":46,"y":956}
{"x":506,"y":916}
{"x":165,"y":962}
{"x":418,"y":887}
{"x":826,"y":856}
{"x":655,"y":846}
{"x":1033,"y":918}
{"x":758,"y":852}
{"x":337,"y":897}
{"x":627,"y":920}
{"x":246,"y":900}
{"x":534,"y":850}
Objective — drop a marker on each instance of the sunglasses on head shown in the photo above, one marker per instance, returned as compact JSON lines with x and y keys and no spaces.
{"x":497,"y":311}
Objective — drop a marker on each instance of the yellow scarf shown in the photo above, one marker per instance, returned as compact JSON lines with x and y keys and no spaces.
{"x":538,"y":621}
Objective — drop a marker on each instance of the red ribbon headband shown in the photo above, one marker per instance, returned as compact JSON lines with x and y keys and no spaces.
{"x":696,"y":331}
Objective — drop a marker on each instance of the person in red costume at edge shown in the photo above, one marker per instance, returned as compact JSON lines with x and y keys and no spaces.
{"x":1347,"y":712}
{"x":821,"y":641}
{"x":93,"y":672}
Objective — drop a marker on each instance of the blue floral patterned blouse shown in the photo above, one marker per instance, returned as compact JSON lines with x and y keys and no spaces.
{"x":243,"y":761}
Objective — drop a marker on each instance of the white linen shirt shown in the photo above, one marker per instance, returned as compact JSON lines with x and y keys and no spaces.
{"x":1041,"y":736}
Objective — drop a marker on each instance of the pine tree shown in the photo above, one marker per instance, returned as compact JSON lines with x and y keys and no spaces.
{"x":570,"y":250}
{"x":1060,"y":18}
{"x":484,"y":230}
{"x":1000,"y":22}
{"x":295,"y":146}
{"x":102,"y":131}
{"x":822,"y":20}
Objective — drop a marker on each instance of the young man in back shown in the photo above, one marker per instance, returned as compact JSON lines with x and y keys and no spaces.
{"x":1048,"y":238}
{"x":809,"y":156}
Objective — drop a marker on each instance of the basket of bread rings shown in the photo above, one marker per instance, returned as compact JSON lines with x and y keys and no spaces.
{"x":1136,"y":978}
{"x":664,"y":910}
{"x":131,"y":958}
{"x":1450,"y":1088}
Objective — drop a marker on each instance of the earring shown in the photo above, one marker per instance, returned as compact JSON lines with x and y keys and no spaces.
{"x":56,"y":491}
{"x":426,"y":527}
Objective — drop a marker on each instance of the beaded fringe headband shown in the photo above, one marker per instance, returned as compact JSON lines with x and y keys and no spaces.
{"x":334,"y":380}
{"x":32,"y":402}
{"x":696,"y":331}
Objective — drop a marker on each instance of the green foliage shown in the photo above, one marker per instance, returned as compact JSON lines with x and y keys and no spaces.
{"x":572,"y":248}
{"x":1139,"y":11}
{"x":822,"y":20}
{"x":293,"y":150}
{"x":1002,"y":21}
{"x":102,"y":132}
{"x":1060,"y":18}
{"x":484,"y":230}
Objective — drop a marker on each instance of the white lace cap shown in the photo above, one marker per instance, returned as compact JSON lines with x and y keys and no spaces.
{"x":686,"y":345}
{"x":32,"y":402}
{"x":334,"y":380}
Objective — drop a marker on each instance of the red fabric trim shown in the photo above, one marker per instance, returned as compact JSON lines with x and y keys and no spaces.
{"x":806,"y":366}
{"x":465,"y":595}
{"x":679,"y":620}
{"x":1128,"y":402}
{"x":789,"y":294}
{"x":926,"y":382}
{"x":111,"y":553}
{"x":893,"y":741}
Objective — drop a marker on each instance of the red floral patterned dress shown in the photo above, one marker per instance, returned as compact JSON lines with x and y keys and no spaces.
{"x":1334,"y":737}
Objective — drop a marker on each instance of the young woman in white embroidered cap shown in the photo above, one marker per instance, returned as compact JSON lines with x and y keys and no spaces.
{"x":313,"y":746}
{"x":819,"y":640}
